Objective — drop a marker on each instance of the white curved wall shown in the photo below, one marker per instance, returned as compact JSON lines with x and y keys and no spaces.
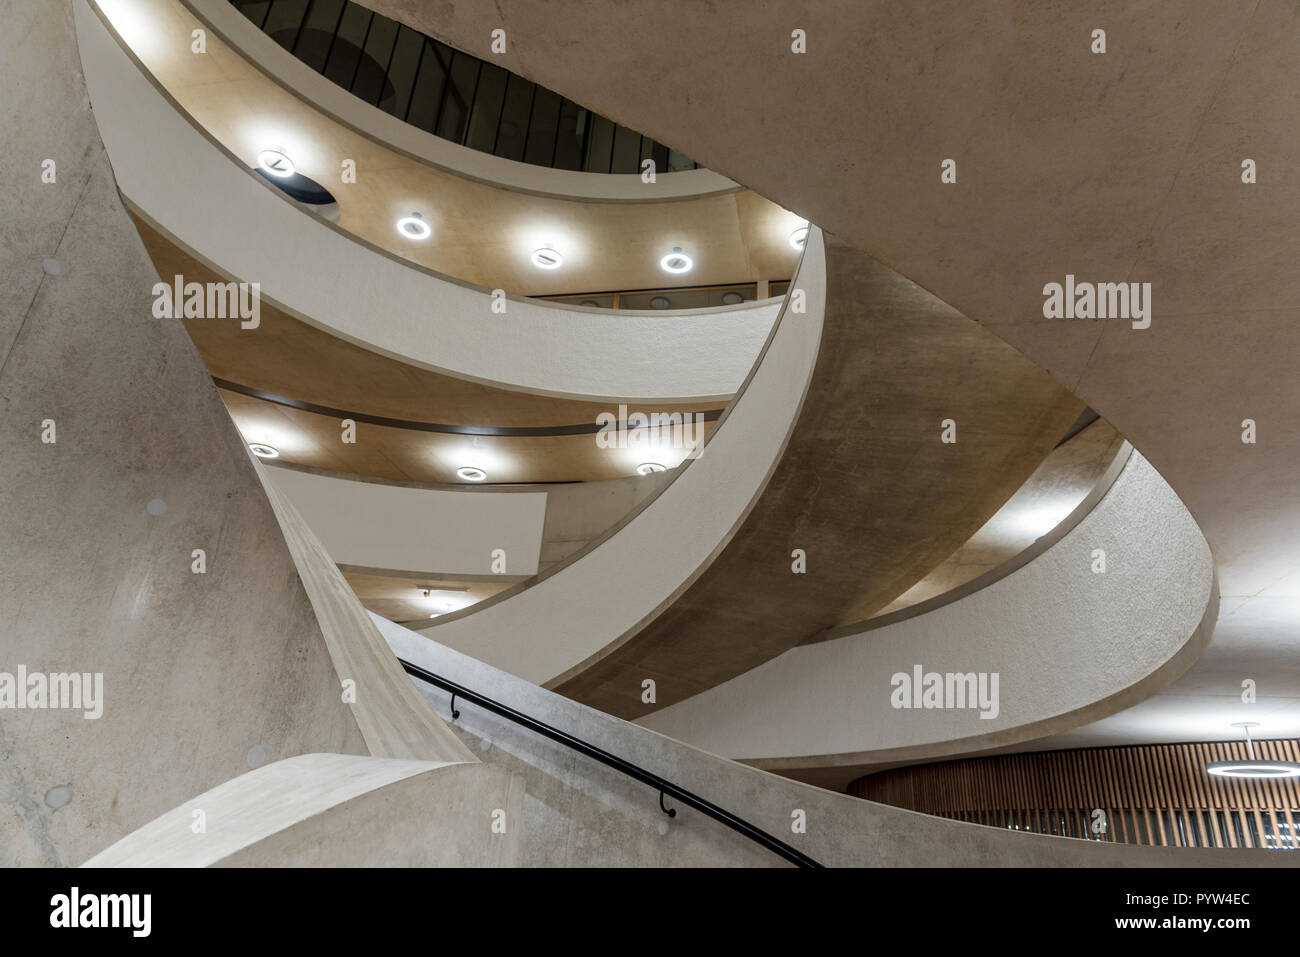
{"x":437,"y":531}
{"x":584,"y":609}
{"x":1060,"y":636}
{"x":198,"y":193}
{"x":293,"y":74}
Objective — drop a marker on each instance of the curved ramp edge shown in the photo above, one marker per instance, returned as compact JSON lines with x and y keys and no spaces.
{"x":1055,"y":644}
{"x":202,"y":674}
{"x":334,"y":810}
{"x":322,"y":275}
{"x":586,"y":608}
{"x":396,"y":722}
{"x":843,"y":831}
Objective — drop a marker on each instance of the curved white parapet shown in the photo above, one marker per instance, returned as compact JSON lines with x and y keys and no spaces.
{"x":354,"y":112}
{"x":589,"y":606}
{"x":434,"y":531}
{"x":196,"y":192}
{"x":1068,"y":637}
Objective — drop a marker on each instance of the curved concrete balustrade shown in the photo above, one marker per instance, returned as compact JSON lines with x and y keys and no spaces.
{"x":301,"y":80}
{"x":583,"y":609}
{"x":576,"y":811}
{"x":1068,"y":643}
{"x":1119,"y":167}
{"x":395,"y":723}
{"x":436,"y":531}
{"x":193,"y":191}
{"x":867,"y":498}
{"x":201,"y":675}
{"x":335,"y":810}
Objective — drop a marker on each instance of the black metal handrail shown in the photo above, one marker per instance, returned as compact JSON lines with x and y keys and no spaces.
{"x":664,"y":787}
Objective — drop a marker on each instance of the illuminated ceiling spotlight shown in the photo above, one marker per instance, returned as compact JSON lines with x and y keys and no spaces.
{"x":414,"y":227}
{"x":547,"y":258}
{"x":649,"y":468}
{"x":263,"y":451}
{"x":677,"y":261}
{"x":799,"y":238}
{"x":471,"y":473}
{"x":276,"y":162}
{"x":444,"y":605}
{"x":1253,"y":767}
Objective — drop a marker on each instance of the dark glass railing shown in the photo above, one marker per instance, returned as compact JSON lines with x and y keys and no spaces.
{"x":450,"y":93}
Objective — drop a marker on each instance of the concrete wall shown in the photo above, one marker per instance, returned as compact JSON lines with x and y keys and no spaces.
{"x":332,"y":810}
{"x":439,"y":531}
{"x":614,"y":823}
{"x":1069,"y":645}
{"x":584,"y":609}
{"x":578,"y":514}
{"x":196,"y":192}
{"x":204,"y":675}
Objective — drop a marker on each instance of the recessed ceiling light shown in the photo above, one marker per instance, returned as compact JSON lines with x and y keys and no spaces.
{"x":732,"y":298}
{"x":547,"y":258}
{"x":649,"y":468}
{"x":471,"y":474}
{"x":660,"y":302}
{"x":276,"y":162}
{"x":677,"y":261}
{"x":264,"y":451}
{"x":1252,"y":767}
{"x":799,"y":238}
{"x":414,"y":227}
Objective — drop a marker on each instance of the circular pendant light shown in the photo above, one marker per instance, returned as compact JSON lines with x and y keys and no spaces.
{"x":1252,"y":767}
{"x":276,"y":162}
{"x":414,"y":227}
{"x":677,"y":261}
{"x":547,"y":258}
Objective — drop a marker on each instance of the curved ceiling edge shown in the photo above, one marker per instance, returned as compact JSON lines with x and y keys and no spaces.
{"x":1019,"y":560}
{"x":1128,"y":631}
{"x":374,"y":124}
{"x":602,"y":357}
{"x":671,"y":537}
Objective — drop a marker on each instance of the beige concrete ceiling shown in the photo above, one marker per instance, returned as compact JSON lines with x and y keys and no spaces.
{"x":403,"y":598}
{"x":404,"y":454}
{"x":482,"y":234}
{"x":1061,"y":482}
{"x":1116,"y":166}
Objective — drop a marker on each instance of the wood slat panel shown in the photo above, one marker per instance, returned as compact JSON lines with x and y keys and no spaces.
{"x":1151,"y":794}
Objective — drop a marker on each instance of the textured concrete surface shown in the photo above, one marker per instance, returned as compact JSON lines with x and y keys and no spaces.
{"x":582,"y":609}
{"x":865,"y":487}
{"x":1069,"y":646}
{"x":204,"y":675}
{"x":1122,"y":166}
{"x":394,"y":722}
{"x":614,"y":823}
{"x":333,"y":810}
